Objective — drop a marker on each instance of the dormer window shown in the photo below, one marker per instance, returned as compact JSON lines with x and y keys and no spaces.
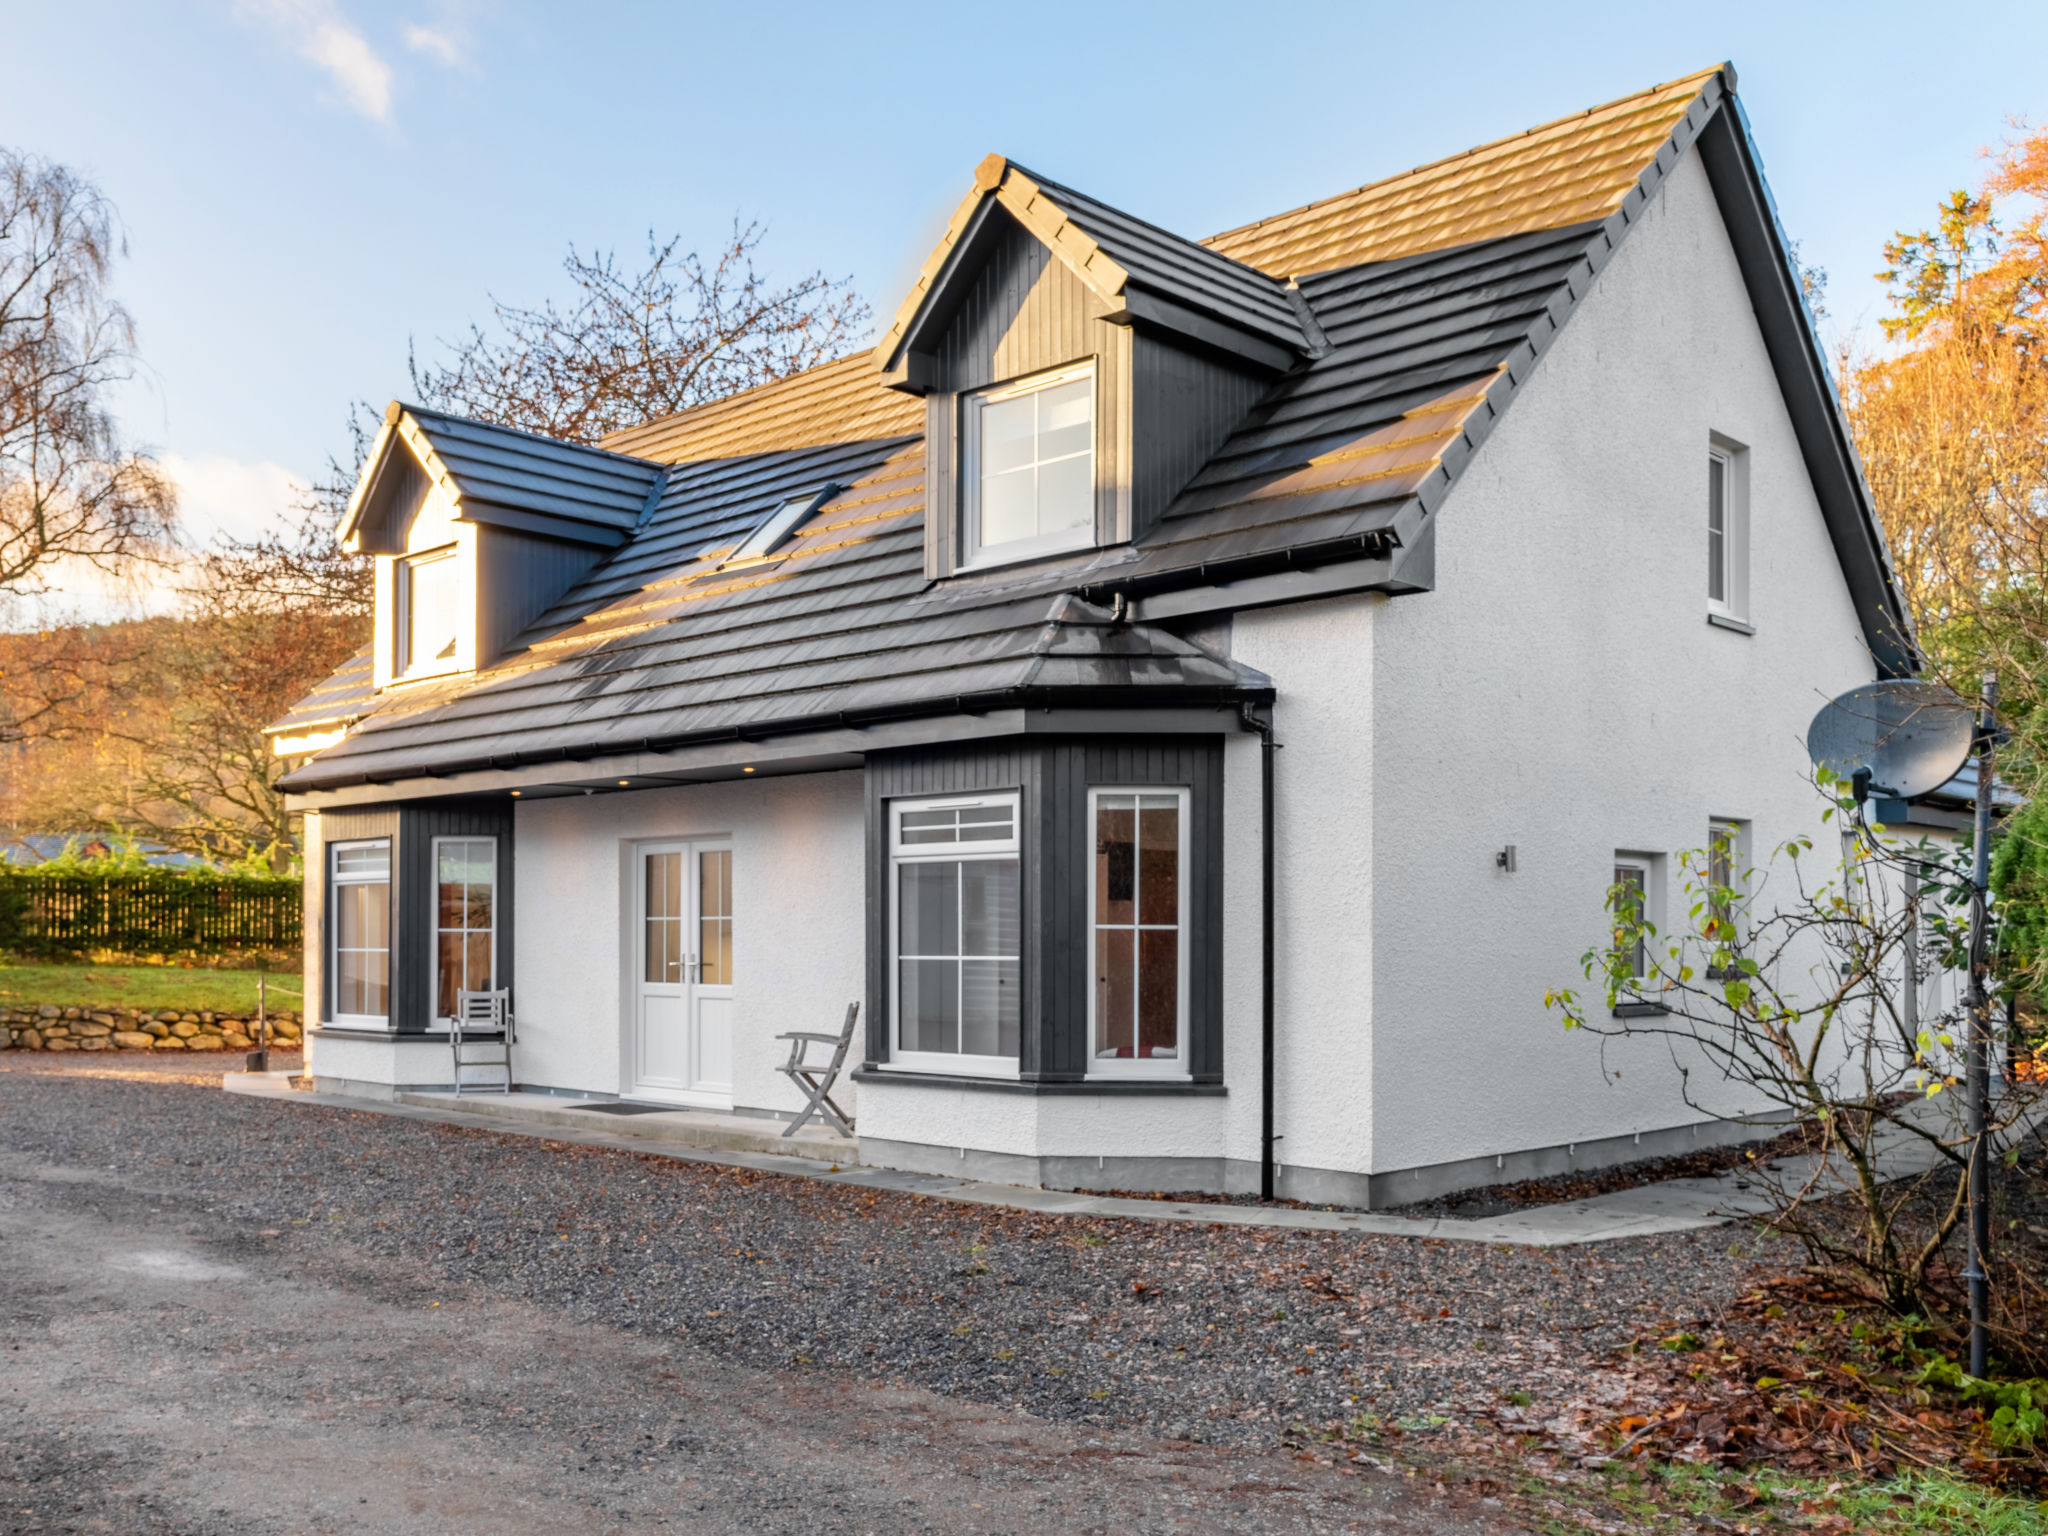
{"x":1028,"y":481}
{"x":429,"y":613}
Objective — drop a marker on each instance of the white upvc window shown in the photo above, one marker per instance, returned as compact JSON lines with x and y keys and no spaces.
{"x":955,"y":934}
{"x":427,"y":593}
{"x":1137,"y":920}
{"x":465,"y":919}
{"x":1727,"y":530}
{"x":1027,"y":476}
{"x":1634,"y":898}
{"x":359,"y":929}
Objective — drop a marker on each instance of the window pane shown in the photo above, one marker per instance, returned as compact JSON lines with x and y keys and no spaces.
{"x":1009,"y":507}
{"x":988,"y":908}
{"x":363,"y":858}
{"x":476,"y":970}
{"x":430,"y":611}
{"x":1066,"y":422}
{"x":1717,"y":529}
{"x":376,"y":914}
{"x":928,"y":909}
{"x":714,"y":951}
{"x":377,"y":983}
{"x":714,"y":883}
{"x":1159,"y":860}
{"x":450,"y":906}
{"x":930,"y":1006}
{"x":988,"y":1007}
{"x":1008,"y":434}
{"x":1115,"y":858}
{"x":1066,"y":495}
{"x":1158,"y":992}
{"x":1114,"y":989}
{"x":1629,"y":909}
{"x":351,"y":916}
{"x":448,"y":968}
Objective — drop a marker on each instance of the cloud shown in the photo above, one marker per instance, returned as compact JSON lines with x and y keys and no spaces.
{"x":440,"y":44}
{"x":315,"y":30}
{"x":235,"y":498}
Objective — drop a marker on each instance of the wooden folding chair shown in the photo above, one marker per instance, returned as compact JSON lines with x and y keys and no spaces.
{"x":482,"y":1022}
{"x":816,"y":1078}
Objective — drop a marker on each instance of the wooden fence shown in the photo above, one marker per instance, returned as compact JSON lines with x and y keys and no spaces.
{"x":148,"y":913}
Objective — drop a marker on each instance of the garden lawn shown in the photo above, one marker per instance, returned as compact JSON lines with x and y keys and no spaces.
{"x":144,"y":986}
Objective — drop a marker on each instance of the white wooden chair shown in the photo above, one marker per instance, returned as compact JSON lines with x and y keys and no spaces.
{"x":816,"y":1078}
{"x":482,"y":1023}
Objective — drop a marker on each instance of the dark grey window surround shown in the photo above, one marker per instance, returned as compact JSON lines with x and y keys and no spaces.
{"x":412,"y":826}
{"x":1052,"y":778}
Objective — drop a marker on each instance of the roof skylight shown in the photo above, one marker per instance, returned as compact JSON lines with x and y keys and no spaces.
{"x":774,"y":529}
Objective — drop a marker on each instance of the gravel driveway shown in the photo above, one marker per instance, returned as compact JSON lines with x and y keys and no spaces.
{"x":227,"y":1314}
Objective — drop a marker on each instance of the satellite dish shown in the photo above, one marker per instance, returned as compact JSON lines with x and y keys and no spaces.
{"x":1911,"y":737}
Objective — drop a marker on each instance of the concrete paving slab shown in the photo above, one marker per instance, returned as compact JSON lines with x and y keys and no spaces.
{"x":1676,"y":1205}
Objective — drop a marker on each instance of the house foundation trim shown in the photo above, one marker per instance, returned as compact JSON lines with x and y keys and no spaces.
{"x":1103,"y":1087}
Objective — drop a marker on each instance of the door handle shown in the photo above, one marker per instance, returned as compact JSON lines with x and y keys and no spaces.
{"x":690,"y":969}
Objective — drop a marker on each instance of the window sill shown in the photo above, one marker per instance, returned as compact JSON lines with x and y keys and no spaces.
{"x":1729,"y":621}
{"x":1108,"y":1086}
{"x":372,"y":1032}
{"x":1639,"y":1010}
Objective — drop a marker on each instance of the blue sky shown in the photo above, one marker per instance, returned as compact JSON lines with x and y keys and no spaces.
{"x":309,"y":186}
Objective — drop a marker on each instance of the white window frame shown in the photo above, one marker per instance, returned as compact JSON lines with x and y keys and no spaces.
{"x":1648,"y":864}
{"x":1177,"y":1067}
{"x":403,"y":667}
{"x":975,"y":556}
{"x":434,"y":928}
{"x":336,"y":880}
{"x":1732,"y":460}
{"x":953,"y":1063}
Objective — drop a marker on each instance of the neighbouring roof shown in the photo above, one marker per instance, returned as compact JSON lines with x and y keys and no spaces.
{"x":1434,"y":294}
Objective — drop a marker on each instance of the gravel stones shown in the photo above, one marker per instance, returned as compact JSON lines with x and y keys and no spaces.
{"x":1213,"y":1333}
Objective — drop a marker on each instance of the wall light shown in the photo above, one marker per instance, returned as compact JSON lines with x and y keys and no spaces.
{"x":515,"y":794}
{"x":746,"y":770}
{"x":624,"y":782}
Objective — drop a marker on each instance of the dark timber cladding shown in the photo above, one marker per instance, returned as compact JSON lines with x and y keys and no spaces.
{"x":1052,"y":779}
{"x":412,"y":827}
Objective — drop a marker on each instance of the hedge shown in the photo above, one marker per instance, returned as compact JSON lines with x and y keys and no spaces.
{"x":50,"y":913}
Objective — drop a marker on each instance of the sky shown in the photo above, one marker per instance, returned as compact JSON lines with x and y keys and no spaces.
{"x":312,"y":189}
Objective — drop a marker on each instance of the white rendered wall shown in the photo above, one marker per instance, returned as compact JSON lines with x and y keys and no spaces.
{"x":798,"y":899}
{"x":1561,"y":690}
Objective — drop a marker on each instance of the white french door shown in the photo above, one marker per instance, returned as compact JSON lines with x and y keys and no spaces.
{"x":682,"y":1012}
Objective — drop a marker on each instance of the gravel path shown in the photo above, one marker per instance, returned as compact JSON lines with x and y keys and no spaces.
{"x":1222,"y":1337}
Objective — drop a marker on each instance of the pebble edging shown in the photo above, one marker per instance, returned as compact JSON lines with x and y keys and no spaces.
{"x":84,"y":1028}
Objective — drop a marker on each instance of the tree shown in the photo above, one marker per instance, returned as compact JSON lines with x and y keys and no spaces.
{"x":1952,"y":425}
{"x":1793,"y":993}
{"x":68,"y":489}
{"x":632,"y":347}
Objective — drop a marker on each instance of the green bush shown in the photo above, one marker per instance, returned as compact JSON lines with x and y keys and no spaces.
{"x":72,"y":906}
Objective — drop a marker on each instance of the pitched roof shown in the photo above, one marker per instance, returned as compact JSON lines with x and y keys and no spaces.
{"x":1570,"y":171}
{"x":1123,"y":260}
{"x":499,"y":475}
{"x":1338,"y":470}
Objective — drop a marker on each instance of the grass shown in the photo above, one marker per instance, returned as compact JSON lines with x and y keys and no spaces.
{"x":1913,"y":1504}
{"x":143,"y":986}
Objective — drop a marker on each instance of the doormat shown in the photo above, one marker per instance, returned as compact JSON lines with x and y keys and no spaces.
{"x":620,"y":1107}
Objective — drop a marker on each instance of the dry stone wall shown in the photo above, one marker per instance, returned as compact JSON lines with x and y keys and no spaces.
{"x":51,"y":1028}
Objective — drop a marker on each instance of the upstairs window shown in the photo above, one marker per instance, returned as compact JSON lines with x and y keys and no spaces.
{"x":1028,"y":468}
{"x":429,"y":621}
{"x":1727,"y":534}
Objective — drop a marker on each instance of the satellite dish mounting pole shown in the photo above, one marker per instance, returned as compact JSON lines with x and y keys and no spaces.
{"x":1977,"y":1067}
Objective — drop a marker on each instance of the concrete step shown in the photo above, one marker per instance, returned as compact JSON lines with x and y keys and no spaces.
{"x":666,"y":1127}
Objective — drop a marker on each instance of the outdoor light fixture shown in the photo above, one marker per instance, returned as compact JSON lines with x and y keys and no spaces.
{"x":515,"y":794}
{"x":624,"y":782}
{"x":746,"y":770}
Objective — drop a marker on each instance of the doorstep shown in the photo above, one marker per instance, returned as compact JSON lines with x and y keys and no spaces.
{"x":703,"y":1128}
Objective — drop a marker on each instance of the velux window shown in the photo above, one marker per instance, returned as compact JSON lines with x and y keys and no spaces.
{"x":465,"y":918}
{"x":359,"y":882}
{"x":956,"y":933}
{"x":428,"y":623}
{"x":1137,"y":912}
{"x":1028,"y":470}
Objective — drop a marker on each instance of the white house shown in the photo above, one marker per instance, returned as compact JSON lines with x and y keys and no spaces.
{"x":1126,"y":682}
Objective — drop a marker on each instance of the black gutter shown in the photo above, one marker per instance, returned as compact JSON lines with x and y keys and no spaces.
{"x":843,"y":719}
{"x":1259,"y":717}
{"x":1374,"y":544}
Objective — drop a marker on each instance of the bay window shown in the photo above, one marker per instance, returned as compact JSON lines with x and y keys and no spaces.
{"x":1137,"y":917}
{"x":956,"y":934}
{"x":359,"y":886}
{"x":465,"y":918}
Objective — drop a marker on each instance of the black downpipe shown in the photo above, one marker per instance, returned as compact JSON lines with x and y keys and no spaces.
{"x":1259,"y":717}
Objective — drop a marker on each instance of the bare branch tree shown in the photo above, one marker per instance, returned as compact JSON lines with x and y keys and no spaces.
{"x":635,"y":346}
{"x":68,"y":489}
